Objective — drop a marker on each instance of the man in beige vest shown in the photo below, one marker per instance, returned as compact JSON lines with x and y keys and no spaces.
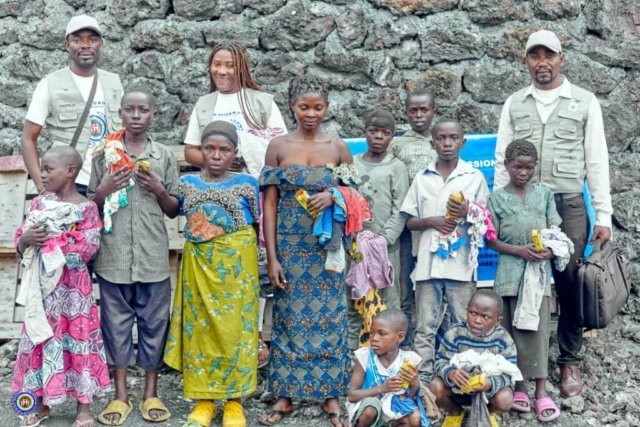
{"x":59,"y":100}
{"x":564,"y":122}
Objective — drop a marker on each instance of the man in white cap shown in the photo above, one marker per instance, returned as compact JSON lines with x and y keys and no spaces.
{"x":77,"y":105}
{"x":564,"y":122}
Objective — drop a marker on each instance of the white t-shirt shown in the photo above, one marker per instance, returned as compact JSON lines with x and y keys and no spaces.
{"x":252,"y":142}
{"x":39,"y":111}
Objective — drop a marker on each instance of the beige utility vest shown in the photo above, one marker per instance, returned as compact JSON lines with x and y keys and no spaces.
{"x":560,"y":141}
{"x":260,"y":104}
{"x":66,"y":106}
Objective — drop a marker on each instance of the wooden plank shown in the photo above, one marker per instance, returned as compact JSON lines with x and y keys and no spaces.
{"x":178,"y":151}
{"x":8,"y":280}
{"x":12,"y":193}
{"x":31,"y":189}
{"x":10,"y":331}
{"x":174,"y":266}
{"x":12,"y":164}
{"x":18,"y":314}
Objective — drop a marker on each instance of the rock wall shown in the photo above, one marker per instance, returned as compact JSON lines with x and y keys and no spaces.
{"x":468,"y":52}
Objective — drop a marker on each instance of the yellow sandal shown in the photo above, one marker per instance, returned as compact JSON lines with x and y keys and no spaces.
{"x":203,"y":412}
{"x":453,"y":420}
{"x":115,"y":407}
{"x":153,"y":403}
{"x":233,"y":415}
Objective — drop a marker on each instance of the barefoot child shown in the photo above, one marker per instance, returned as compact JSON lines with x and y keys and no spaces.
{"x":384,"y":373}
{"x":61,"y":352}
{"x":133,"y":263}
{"x":518,"y":208}
{"x":481,"y":332}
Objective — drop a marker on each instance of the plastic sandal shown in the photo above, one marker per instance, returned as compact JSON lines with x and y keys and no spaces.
{"x":85,"y":423}
{"x":270,"y":413}
{"x":37,"y":419}
{"x":233,"y":415}
{"x":154,"y":403}
{"x":545,"y":404}
{"x":115,"y":407}
{"x":521,"y":397}
{"x":203,"y":412}
{"x":453,"y":420}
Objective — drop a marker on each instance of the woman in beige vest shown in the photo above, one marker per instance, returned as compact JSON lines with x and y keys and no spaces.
{"x":236,"y":98}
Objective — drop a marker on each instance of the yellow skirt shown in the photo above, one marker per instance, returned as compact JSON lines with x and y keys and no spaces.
{"x":213,"y":337}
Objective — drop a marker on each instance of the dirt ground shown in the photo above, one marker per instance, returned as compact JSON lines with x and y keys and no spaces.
{"x":611,"y":396}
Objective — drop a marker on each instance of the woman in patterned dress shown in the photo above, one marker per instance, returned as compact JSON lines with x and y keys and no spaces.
{"x":213,"y":337}
{"x":309,"y":353}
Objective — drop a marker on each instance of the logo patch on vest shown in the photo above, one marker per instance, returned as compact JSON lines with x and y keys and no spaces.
{"x":573,"y":106}
{"x":98,"y":128}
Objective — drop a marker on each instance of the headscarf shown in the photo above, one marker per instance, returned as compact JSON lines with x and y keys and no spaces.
{"x":221,"y":128}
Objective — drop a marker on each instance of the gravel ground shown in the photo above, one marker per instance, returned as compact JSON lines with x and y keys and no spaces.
{"x":611,"y":396}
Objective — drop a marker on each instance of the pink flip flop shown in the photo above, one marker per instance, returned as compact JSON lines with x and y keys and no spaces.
{"x":520,"y":397}
{"x":544,"y":404}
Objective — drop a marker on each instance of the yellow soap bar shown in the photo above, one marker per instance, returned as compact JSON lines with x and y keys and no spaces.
{"x":476,"y":382}
{"x":456,"y":197}
{"x":303,"y":198}
{"x":537,"y":240}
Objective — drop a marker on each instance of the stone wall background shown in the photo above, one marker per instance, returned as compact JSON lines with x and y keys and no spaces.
{"x":468,"y":52}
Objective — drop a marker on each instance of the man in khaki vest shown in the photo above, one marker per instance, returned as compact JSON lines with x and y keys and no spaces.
{"x":59,"y":100}
{"x":564,"y":122}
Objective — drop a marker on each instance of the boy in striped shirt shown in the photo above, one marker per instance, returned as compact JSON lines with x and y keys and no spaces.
{"x":481,"y":332}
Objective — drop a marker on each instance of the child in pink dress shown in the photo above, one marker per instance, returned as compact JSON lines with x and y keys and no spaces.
{"x":61,"y":352}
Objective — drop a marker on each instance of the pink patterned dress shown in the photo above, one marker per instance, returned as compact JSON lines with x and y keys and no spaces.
{"x":72,"y":362}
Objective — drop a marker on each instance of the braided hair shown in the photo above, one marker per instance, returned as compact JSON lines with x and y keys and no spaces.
{"x":306,"y":84}
{"x":518,"y":148}
{"x":243,"y":74}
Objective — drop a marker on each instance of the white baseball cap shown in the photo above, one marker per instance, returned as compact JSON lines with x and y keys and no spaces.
{"x":83,"y":22}
{"x":544,"y":38}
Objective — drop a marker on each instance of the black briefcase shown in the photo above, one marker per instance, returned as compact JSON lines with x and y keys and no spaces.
{"x":603,"y":285}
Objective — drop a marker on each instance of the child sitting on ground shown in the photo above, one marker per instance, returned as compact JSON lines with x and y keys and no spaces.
{"x":482,"y":332}
{"x":61,"y":353}
{"x":385,"y":378}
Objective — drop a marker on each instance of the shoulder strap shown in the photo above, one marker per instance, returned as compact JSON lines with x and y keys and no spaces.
{"x":85,"y":113}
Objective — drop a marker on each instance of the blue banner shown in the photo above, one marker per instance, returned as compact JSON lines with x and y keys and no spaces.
{"x":479,"y":150}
